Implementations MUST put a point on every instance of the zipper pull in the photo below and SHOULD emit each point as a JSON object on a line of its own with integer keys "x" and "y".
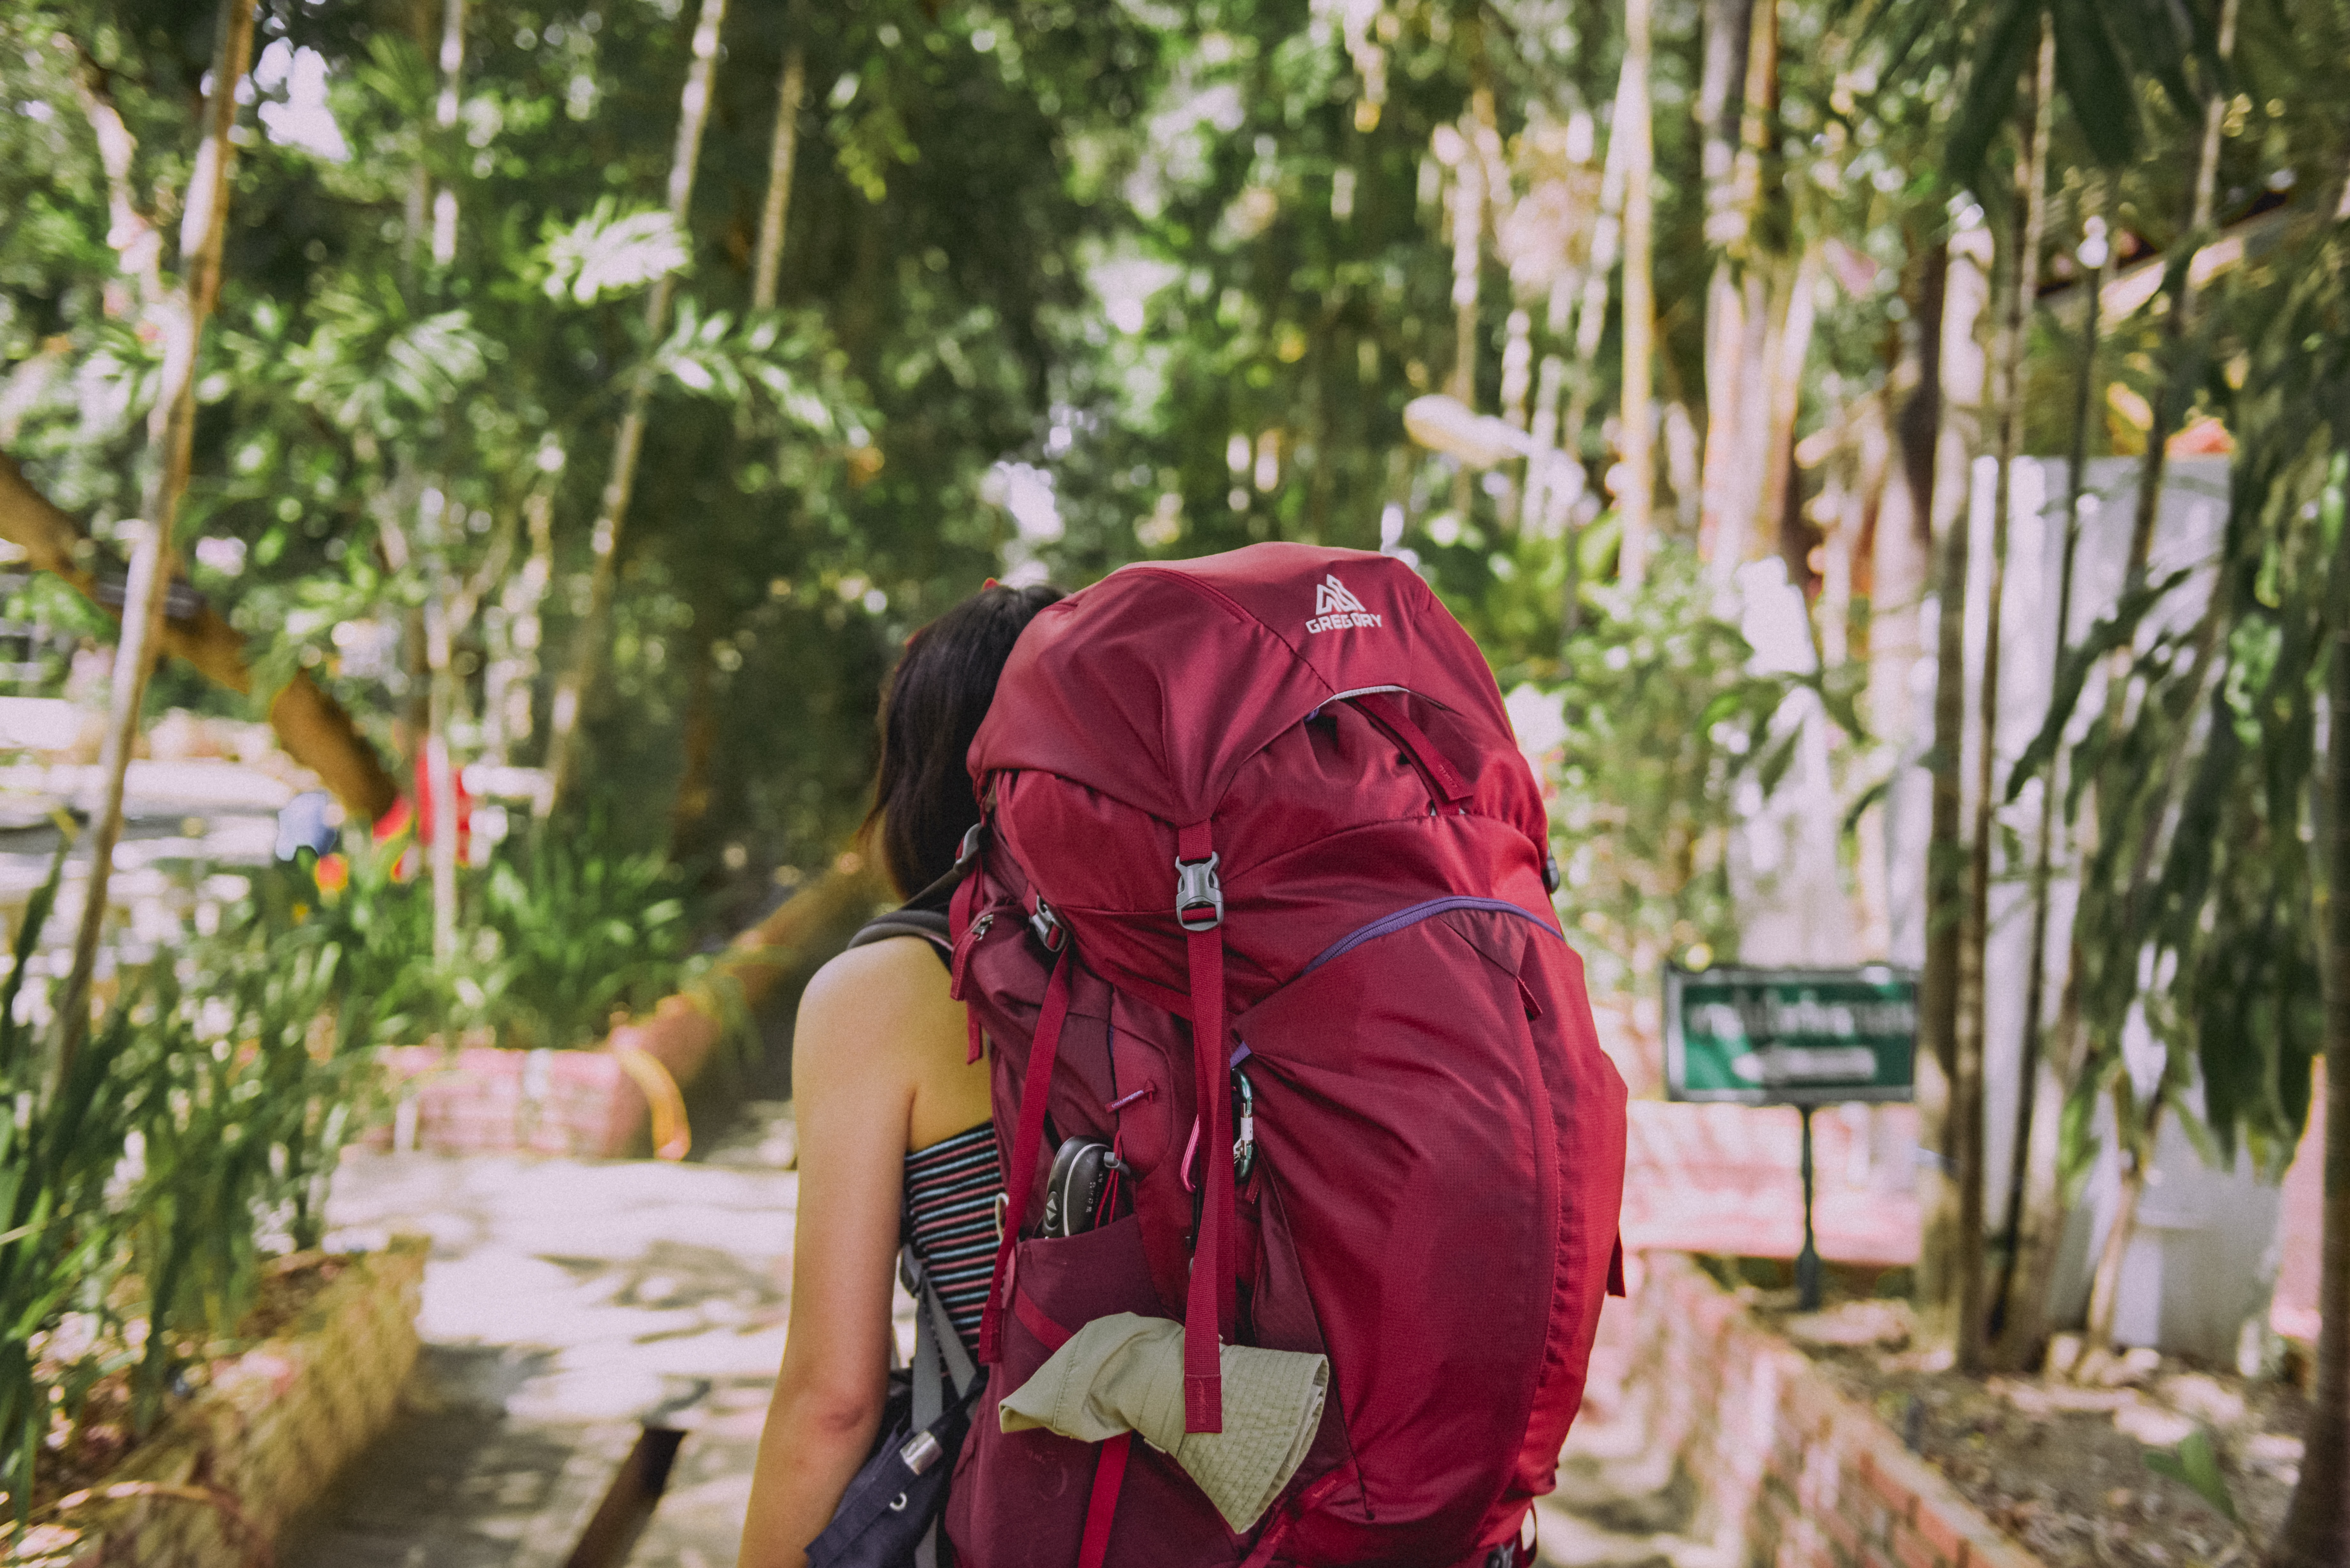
{"x": 961, "y": 964}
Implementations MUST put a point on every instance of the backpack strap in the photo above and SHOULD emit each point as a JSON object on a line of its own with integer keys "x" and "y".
{"x": 1101, "y": 1505}
{"x": 942, "y": 1366}
{"x": 940, "y": 1362}
{"x": 1209, "y": 1307}
{"x": 1035, "y": 1089}
{"x": 931, "y": 925}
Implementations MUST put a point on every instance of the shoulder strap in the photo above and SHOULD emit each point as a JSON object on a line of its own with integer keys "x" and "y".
{"x": 929, "y": 924}
{"x": 939, "y": 1359}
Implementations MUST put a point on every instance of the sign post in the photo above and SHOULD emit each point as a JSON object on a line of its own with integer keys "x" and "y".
{"x": 1801, "y": 1037}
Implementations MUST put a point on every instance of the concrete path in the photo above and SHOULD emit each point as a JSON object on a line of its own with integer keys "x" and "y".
{"x": 565, "y": 1302}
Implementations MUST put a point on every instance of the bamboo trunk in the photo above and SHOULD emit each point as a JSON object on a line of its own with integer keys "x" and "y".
{"x": 2136, "y": 1134}
{"x": 1959, "y": 366}
{"x": 444, "y": 116}
{"x": 1790, "y": 346}
{"x": 438, "y": 614}
{"x": 514, "y": 632}
{"x": 604, "y": 539}
{"x": 1740, "y": 318}
{"x": 1591, "y": 313}
{"x": 783, "y": 152}
{"x": 1971, "y": 1033}
{"x": 1636, "y": 500}
{"x": 441, "y": 777}
{"x": 2035, "y": 1192}
{"x": 171, "y": 434}
{"x": 2316, "y": 1528}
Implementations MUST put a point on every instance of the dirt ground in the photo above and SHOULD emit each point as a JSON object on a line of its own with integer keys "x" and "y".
{"x": 2062, "y": 1464}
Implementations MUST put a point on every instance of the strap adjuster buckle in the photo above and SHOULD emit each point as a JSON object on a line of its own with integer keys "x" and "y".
{"x": 1047, "y": 926}
{"x": 1199, "y": 893}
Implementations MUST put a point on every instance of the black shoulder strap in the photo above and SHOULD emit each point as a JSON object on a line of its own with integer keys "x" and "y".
{"x": 929, "y": 924}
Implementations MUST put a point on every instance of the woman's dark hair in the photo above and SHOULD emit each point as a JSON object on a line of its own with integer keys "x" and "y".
{"x": 930, "y": 709}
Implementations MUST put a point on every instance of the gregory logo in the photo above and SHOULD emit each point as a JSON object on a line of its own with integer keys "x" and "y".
{"x": 1335, "y": 609}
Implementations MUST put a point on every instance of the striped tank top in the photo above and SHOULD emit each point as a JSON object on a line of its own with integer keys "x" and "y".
{"x": 951, "y": 1190}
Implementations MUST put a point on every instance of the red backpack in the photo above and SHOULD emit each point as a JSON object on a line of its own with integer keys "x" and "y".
{"x": 1257, "y": 824}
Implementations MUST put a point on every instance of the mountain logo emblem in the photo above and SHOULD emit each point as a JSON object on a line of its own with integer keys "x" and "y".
{"x": 1330, "y": 595}
{"x": 1336, "y": 608}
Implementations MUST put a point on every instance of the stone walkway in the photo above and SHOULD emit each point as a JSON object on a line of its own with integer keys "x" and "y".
{"x": 565, "y": 1302}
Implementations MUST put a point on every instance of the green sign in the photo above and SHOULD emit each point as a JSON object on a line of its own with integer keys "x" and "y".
{"x": 1790, "y": 1036}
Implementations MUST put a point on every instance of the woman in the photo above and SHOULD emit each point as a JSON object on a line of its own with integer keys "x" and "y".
{"x": 892, "y": 1119}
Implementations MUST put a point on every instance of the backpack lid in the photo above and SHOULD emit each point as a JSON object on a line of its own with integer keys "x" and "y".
{"x": 1157, "y": 683}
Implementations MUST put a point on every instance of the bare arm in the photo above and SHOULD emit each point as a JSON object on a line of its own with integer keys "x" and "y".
{"x": 853, "y": 1086}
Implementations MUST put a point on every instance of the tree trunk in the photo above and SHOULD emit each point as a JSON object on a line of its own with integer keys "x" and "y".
{"x": 1790, "y": 346}
{"x": 1970, "y": 1036}
{"x": 604, "y": 540}
{"x": 1898, "y": 559}
{"x": 1636, "y": 497}
{"x": 513, "y": 629}
{"x": 1960, "y": 366}
{"x": 1720, "y": 109}
{"x": 441, "y": 777}
{"x": 2316, "y": 1529}
{"x": 1742, "y": 52}
{"x": 171, "y": 434}
{"x": 784, "y": 152}
{"x": 2035, "y": 1192}
{"x": 2135, "y": 1131}
{"x": 1591, "y": 315}
{"x": 444, "y": 117}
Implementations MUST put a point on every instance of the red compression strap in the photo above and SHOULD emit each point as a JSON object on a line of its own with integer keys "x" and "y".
{"x": 1388, "y": 715}
{"x": 1109, "y": 1475}
{"x": 1033, "y": 1092}
{"x": 1209, "y": 1308}
{"x": 1049, "y": 1334}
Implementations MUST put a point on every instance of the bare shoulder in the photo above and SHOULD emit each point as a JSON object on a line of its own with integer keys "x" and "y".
{"x": 875, "y": 996}
{"x": 907, "y": 964}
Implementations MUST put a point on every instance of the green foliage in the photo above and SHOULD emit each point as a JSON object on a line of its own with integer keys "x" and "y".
{"x": 565, "y": 929}
{"x": 1663, "y": 720}
{"x": 2195, "y": 1465}
{"x": 581, "y": 931}
{"x": 610, "y": 252}
{"x": 197, "y": 1130}
{"x": 2105, "y": 48}
{"x": 227, "y": 1064}
{"x": 2198, "y": 906}
{"x": 60, "y": 1148}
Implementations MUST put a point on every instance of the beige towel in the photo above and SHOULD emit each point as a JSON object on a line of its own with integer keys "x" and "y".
{"x": 1124, "y": 1373}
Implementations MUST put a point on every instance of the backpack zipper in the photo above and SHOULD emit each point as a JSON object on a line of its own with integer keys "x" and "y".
{"x": 960, "y": 966}
{"x": 1412, "y": 915}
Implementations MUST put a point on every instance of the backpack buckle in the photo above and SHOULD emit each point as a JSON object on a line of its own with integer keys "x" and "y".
{"x": 1047, "y": 926}
{"x": 1199, "y": 894}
